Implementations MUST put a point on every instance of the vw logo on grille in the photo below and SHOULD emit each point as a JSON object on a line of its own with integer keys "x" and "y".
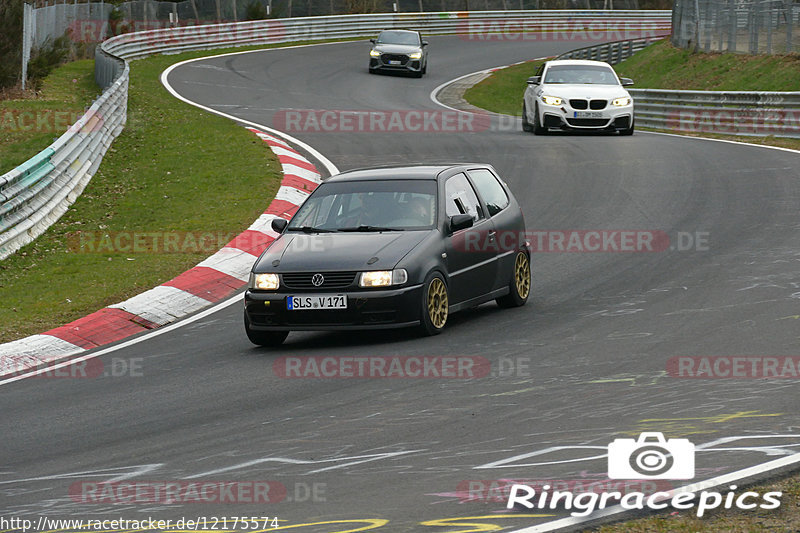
{"x": 317, "y": 280}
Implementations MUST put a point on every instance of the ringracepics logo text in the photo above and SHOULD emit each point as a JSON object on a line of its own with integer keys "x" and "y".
{"x": 586, "y": 503}
{"x": 650, "y": 457}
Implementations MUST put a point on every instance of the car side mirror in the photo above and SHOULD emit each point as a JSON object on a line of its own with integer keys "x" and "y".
{"x": 534, "y": 80}
{"x": 459, "y": 222}
{"x": 372, "y": 41}
{"x": 626, "y": 82}
{"x": 424, "y": 43}
{"x": 279, "y": 224}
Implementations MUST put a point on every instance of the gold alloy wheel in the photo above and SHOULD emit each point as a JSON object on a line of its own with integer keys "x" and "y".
{"x": 522, "y": 275}
{"x": 437, "y": 303}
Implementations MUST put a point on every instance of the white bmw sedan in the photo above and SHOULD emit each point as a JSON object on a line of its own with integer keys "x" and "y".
{"x": 575, "y": 94}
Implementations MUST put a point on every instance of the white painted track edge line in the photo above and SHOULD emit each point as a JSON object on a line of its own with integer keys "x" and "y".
{"x": 435, "y": 92}
{"x": 125, "y": 343}
{"x": 328, "y": 164}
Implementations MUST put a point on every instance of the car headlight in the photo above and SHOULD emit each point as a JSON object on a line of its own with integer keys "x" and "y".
{"x": 415, "y": 55}
{"x": 383, "y": 278}
{"x": 551, "y": 100}
{"x": 374, "y": 53}
{"x": 620, "y": 102}
{"x": 264, "y": 282}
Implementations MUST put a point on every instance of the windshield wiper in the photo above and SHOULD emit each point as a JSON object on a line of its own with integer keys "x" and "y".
{"x": 310, "y": 229}
{"x": 369, "y": 228}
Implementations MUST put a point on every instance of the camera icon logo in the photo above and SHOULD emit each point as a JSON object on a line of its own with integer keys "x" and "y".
{"x": 651, "y": 457}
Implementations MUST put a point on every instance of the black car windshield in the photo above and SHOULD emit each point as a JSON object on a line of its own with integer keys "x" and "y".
{"x": 590, "y": 74}
{"x": 399, "y": 37}
{"x": 363, "y": 206}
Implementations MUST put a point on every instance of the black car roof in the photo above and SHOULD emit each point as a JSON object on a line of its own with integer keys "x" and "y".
{"x": 411, "y": 172}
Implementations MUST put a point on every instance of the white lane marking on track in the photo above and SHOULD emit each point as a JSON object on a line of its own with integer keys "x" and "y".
{"x": 354, "y": 460}
{"x": 136, "y": 340}
{"x": 329, "y": 166}
{"x": 120, "y": 473}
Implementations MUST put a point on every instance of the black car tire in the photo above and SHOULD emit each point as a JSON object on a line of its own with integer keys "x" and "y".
{"x": 526, "y": 126}
{"x": 520, "y": 285}
{"x": 425, "y": 69}
{"x": 434, "y": 305}
{"x": 537, "y": 126}
{"x": 264, "y": 338}
{"x": 628, "y": 131}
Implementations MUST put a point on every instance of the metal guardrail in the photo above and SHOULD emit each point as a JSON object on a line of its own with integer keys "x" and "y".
{"x": 487, "y": 24}
{"x": 612, "y": 53}
{"x": 34, "y": 195}
{"x": 754, "y": 113}
{"x": 733, "y": 113}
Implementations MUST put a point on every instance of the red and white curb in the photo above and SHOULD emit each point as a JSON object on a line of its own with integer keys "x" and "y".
{"x": 211, "y": 281}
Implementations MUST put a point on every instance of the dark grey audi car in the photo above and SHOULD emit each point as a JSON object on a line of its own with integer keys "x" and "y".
{"x": 399, "y": 50}
{"x": 391, "y": 247}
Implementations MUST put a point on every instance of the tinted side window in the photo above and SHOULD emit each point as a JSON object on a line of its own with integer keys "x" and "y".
{"x": 490, "y": 189}
{"x": 460, "y": 198}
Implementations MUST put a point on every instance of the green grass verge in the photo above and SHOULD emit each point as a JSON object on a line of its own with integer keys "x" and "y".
{"x": 28, "y": 126}
{"x": 663, "y": 66}
{"x": 502, "y": 91}
{"x": 174, "y": 168}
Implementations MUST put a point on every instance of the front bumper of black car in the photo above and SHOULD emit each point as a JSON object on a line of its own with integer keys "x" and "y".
{"x": 366, "y": 309}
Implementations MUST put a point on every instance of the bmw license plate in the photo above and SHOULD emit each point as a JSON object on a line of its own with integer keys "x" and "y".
{"x": 316, "y": 301}
{"x": 588, "y": 114}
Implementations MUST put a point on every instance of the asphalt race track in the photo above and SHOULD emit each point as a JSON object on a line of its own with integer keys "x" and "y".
{"x": 584, "y": 363}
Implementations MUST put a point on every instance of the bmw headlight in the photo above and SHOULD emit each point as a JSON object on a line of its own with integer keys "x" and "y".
{"x": 551, "y": 100}
{"x": 374, "y": 53}
{"x": 415, "y": 55}
{"x": 264, "y": 282}
{"x": 621, "y": 102}
{"x": 383, "y": 278}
